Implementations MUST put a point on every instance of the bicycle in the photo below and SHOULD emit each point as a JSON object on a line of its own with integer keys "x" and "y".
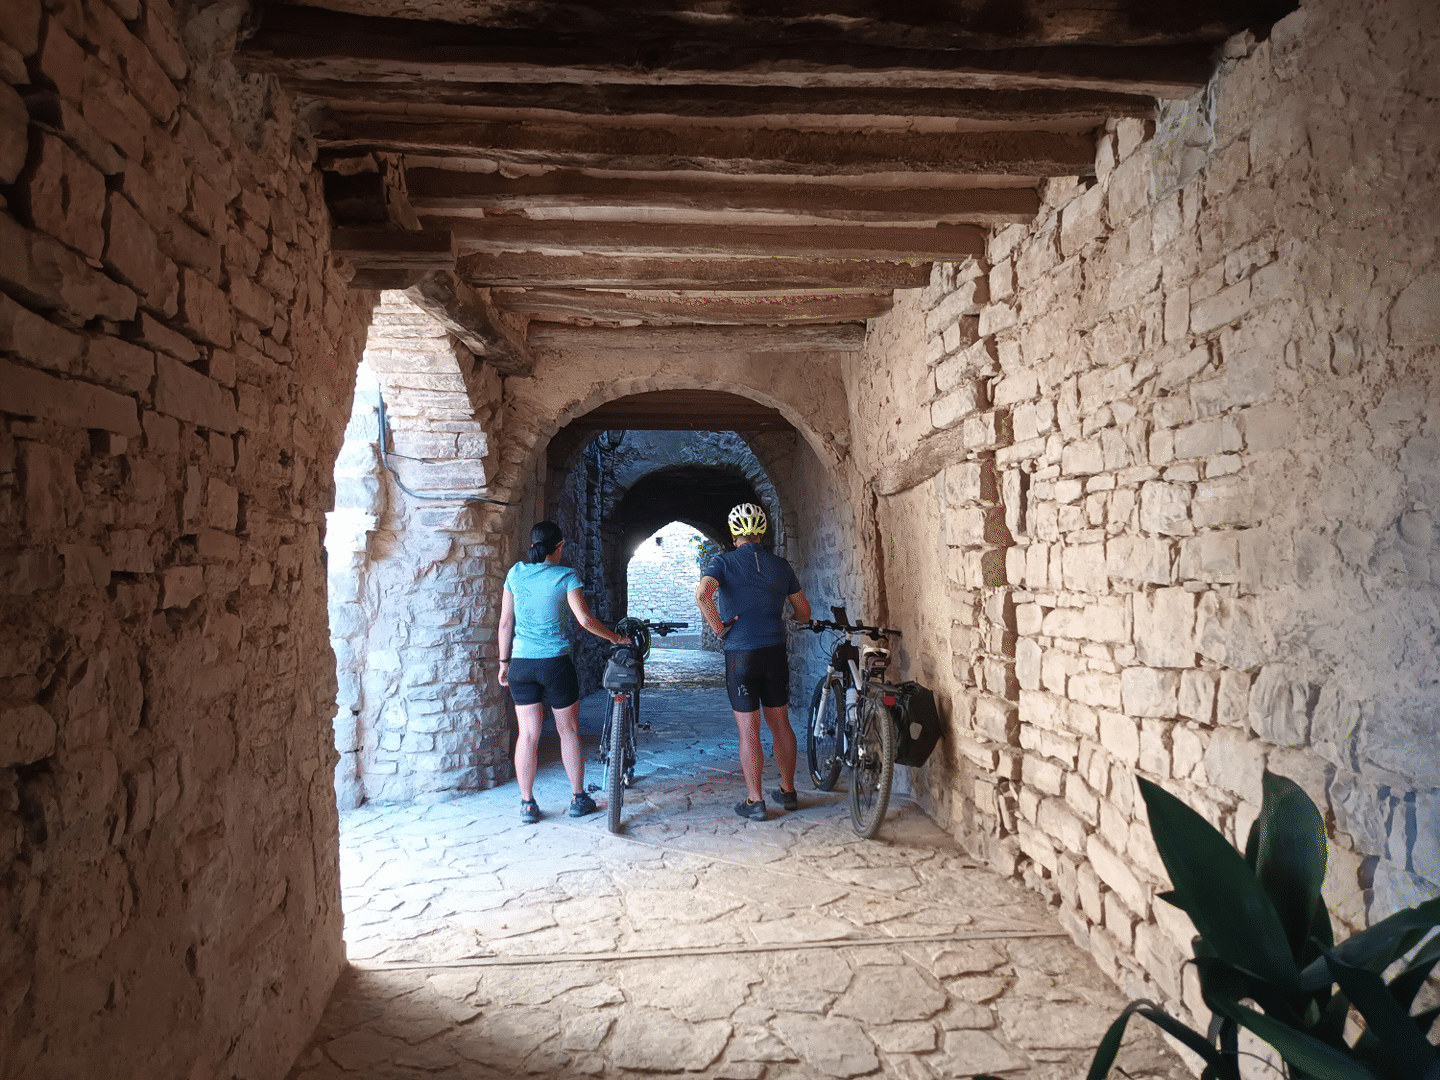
{"x": 851, "y": 724}
{"x": 624, "y": 678}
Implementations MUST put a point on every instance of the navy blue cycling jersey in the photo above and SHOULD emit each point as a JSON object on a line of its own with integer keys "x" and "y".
{"x": 754, "y": 583}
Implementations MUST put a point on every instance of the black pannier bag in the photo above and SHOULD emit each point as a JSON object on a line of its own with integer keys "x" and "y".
{"x": 622, "y": 671}
{"x": 917, "y": 724}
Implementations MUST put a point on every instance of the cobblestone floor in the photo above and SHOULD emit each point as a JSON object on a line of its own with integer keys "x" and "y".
{"x": 696, "y": 943}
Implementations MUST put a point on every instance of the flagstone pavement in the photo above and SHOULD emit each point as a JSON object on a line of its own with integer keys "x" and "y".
{"x": 695, "y": 943}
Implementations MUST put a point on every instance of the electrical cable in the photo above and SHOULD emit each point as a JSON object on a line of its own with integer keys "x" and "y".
{"x": 386, "y": 454}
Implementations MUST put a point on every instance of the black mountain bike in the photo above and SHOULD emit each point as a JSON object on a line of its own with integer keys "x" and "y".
{"x": 624, "y": 678}
{"x": 851, "y": 724}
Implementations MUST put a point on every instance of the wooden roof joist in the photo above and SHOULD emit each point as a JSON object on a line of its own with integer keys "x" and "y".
{"x": 581, "y": 195}
{"x": 516, "y": 234}
{"x": 531, "y": 270}
{"x": 829, "y": 108}
{"x": 956, "y": 23}
{"x": 316, "y": 44}
{"x": 725, "y": 151}
{"x": 695, "y": 308}
{"x": 576, "y": 193}
{"x": 688, "y": 340}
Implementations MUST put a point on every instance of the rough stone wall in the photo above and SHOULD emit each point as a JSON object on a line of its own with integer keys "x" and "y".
{"x": 413, "y": 609}
{"x": 1184, "y": 500}
{"x": 176, "y": 363}
{"x": 662, "y": 576}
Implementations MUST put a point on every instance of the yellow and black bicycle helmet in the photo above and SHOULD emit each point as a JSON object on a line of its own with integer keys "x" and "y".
{"x": 748, "y": 519}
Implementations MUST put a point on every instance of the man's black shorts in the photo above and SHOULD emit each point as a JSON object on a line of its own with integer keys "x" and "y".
{"x": 758, "y": 677}
{"x": 551, "y": 680}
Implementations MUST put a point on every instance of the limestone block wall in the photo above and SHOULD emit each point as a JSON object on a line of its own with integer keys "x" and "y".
{"x": 1177, "y": 470}
{"x": 413, "y": 607}
{"x": 176, "y": 363}
{"x": 662, "y": 576}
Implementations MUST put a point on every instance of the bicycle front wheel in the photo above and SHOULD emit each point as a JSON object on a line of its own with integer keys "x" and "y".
{"x": 615, "y": 763}
{"x": 874, "y": 768}
{"x": 822, "y": 731}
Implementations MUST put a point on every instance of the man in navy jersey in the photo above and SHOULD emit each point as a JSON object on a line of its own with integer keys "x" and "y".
{"x": 752, "y": 584}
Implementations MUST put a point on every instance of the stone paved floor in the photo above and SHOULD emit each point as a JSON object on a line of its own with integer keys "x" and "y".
{"x": 696, "y": 943}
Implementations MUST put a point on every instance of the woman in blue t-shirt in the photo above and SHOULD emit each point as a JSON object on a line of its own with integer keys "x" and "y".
{"x": 535, "y": 662}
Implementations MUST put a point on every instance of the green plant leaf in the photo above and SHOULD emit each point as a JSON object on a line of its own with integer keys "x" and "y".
{"x": 1378, "y": 947}
{"x": 1109, "y": 1046}
{"x": 1303, "y": 1051}
{"x": 1407, "y": 984}
{"x": 1222, "y": 895}
{"x": 1291, "y": 856}
{"x": 1402, "y": 1044}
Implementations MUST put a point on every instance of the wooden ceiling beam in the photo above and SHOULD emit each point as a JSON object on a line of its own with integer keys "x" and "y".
{"x": 315, "y": 43}
{"x": 956, "y": 23}
{"x": 448, "y": 191}
{"x": 695, "y": 308}
{"x": 473, "y": 317}
{"x": 394, "y": 249}
{"x": 531, "y": 270}
{"x": 724, "y": 151}
{"x": 754, "y": 106}
{"x": 516, "y": 234}
{"x": 569, "y": 340}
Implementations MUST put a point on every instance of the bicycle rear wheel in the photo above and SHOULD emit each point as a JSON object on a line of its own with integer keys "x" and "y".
{"x": 874, "y": 768}
{"x": 615, "y": 763}
{"x": 822, "y": 731}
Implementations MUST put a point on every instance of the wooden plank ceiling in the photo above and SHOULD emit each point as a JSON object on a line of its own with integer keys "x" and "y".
{"x": 761, "y": 168}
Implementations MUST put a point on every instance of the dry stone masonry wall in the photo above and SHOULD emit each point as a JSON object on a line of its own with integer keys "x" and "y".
{"x": 1173, "y": 448}
{"x": 413, "y": 604}
{"x": 662, "y": 576}
{"x": 176, "y": 362}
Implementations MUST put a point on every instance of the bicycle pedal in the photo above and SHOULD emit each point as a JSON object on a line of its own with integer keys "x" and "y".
{"x": 592, "y": 787}
{"x": 646, "y": 727}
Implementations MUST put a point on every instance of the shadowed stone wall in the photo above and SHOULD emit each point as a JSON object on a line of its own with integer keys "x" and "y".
{"x": 1172, "y": 451}
{"x": 178, "y": 357}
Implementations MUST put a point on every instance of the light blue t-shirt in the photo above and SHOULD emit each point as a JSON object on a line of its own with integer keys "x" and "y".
{"x": 540, "y": 608}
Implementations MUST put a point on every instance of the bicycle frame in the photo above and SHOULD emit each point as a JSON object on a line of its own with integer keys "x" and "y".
{"x": 860, "y": 737}
{"x": 619, "y": 738}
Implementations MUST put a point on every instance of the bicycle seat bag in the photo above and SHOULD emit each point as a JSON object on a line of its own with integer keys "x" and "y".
{"x": 622, "y": 671}
{"x": 917, "y": 724}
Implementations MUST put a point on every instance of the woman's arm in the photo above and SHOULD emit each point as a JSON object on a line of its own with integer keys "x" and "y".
{"x": 576, "y": 599}
{"x": 505, "y": 638}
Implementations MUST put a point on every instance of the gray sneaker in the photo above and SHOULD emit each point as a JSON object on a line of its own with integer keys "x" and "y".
{"x": 529, "y": 811}
{"x": 582, "y": 804}
{"x": 790, "y": 800}
{"x": 755, "y": 811}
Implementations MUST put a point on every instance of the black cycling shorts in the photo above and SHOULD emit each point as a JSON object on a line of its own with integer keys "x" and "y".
{"x": 758, "y": 677}
{"x": 551, "y": 680}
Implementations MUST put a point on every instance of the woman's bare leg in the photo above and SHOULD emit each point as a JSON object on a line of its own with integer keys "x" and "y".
{"x": 527, "y": 747}
{"x": 572, "y": 750}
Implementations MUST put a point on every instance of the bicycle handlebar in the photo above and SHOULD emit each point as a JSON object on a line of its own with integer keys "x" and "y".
{"x": 663, "y": 628}
{"x": 817, "y": 625}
